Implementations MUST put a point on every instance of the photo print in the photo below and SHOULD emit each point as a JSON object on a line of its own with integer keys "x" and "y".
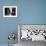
{"x": 9, "y": 11}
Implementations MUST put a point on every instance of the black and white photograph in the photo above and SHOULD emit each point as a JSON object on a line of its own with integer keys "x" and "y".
{"x": 9, "y": 11}
{"x": 29, "y": 34}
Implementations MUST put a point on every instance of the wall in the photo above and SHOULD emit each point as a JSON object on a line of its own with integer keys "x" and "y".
{"x": 29, "y": 12}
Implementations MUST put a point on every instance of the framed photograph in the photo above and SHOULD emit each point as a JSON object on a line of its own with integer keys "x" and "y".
{"x": 31, "y": 32}
{"x": 9, "y": 11}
